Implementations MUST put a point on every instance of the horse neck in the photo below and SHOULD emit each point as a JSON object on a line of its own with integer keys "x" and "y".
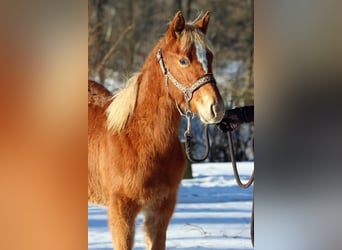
{"x": 155, "y": 111}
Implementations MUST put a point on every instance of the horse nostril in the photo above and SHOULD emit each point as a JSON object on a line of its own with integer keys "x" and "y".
{"x": 213, "y": 110}
{"x": 217, "y": 111}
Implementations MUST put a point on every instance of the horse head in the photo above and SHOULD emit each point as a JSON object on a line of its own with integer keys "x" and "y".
{"x": 186, "y": 61}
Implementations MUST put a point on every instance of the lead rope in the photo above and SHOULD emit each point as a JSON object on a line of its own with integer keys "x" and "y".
{"x": 236, "y": 173}
{"x": 188, "y": 137}
{"x": 239, "y": 182}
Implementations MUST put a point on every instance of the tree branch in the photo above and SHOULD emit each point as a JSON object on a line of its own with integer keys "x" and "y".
{"x": 112, "y": 48}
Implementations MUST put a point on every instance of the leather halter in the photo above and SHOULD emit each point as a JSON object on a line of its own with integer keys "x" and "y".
{"x": 188, "y": 92}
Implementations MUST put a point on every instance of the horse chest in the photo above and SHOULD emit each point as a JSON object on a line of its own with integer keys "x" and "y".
{"x": 147, "y": 179}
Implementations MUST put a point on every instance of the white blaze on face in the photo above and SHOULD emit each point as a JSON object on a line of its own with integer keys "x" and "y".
{"x": 201, "y": 54}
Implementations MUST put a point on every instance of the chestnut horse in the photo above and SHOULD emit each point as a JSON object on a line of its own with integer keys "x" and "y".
{"x": 135, "y": 159}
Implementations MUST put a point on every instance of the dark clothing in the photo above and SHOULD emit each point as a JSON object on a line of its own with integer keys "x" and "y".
{"x": 234, "y": 117}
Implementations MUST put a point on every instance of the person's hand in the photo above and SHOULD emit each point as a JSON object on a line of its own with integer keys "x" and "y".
{"x": 229, "y": 123}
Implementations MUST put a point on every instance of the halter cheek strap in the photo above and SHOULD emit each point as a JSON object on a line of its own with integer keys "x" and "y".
{"x": 188, "y": 92}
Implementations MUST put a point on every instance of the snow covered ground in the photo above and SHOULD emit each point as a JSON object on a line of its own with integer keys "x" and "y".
{"x": 212, "y": 213}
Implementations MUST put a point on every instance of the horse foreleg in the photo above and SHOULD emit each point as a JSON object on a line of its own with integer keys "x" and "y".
{"x": 122, "y": 213}
{"x": 157, "y": 218}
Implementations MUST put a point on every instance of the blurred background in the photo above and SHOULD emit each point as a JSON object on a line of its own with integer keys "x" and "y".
{"x": 43, "y": 146}
{"x": 122, "y": 33}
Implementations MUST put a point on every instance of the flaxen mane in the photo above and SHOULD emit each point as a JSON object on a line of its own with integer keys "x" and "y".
{"x": 191, "y": 35}
{"x": 122, "y": 105}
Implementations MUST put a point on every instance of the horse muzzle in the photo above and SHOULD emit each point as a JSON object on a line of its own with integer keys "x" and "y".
{"x": 211, "y": 112}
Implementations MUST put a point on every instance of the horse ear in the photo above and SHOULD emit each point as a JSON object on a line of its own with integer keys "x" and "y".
{"x": 177, "y": 24}
{"x": 203, "y": 23}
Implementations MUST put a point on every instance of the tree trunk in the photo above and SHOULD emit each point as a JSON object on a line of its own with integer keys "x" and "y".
{"x": 188, "y": 9}
{"x": 177, "y": 6}
{"x": 100, "y": 36}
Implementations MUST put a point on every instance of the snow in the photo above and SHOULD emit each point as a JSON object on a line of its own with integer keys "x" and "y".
{"x": 212, "y": 213}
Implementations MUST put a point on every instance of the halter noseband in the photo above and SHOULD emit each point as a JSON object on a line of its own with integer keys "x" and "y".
{"x": 188, "y": 92}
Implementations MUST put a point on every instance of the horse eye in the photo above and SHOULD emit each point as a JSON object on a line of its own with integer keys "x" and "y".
{"x": 183, "y": 61}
